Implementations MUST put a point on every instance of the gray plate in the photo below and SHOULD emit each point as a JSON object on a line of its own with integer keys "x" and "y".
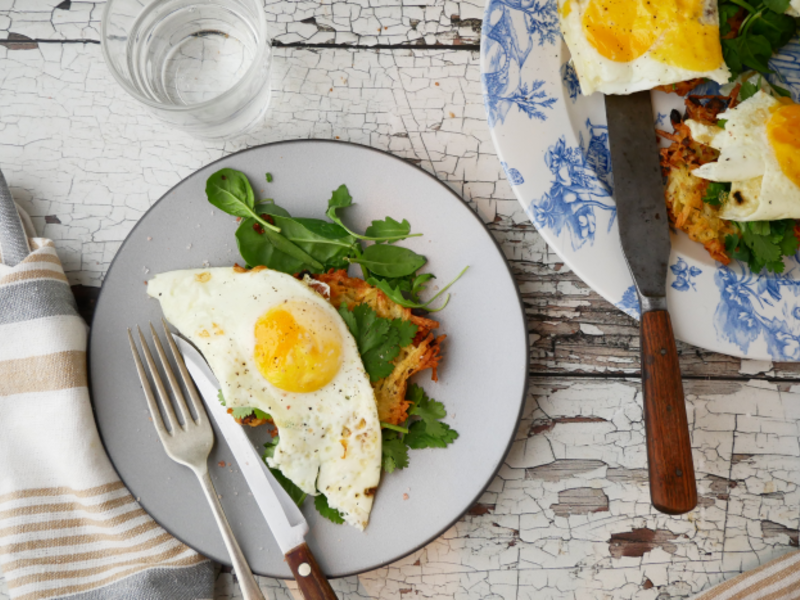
{"x": 482, "y": 380}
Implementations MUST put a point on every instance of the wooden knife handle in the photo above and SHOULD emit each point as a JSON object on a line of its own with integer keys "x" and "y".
{"x": 669, "y": 451}
{"x": 310, "y": 579}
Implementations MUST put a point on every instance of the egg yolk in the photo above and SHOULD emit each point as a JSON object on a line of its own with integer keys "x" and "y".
{"x": 783, "y": 132}
{"x": 298, "y": 347}
{"x": 674, "y": 31}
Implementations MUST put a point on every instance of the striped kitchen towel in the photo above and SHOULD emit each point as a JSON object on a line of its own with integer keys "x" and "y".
{"x": 776, "y": 580}
{"x": 68, "y": 526}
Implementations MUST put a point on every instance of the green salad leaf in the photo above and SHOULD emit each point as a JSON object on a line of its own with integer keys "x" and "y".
{"x": 751, "y": 32}
{"x": 323, "y": 508}
{"x": 387, "y": 230}
{"x": 230, "y": 191}
{"x": 394, "y": 451}
{"x": 379, "y": 340}
{"x": 428, "y": 431}
{"x": 763, "y": 244}
{"x": 716, "y": 193}
{"x": 243, "y": 412}
{"x": 390, "y": 261}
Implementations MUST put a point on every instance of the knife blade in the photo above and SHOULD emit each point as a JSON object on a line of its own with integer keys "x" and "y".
{"x": 644, "y": 235}
{"x": 285, "y": 520}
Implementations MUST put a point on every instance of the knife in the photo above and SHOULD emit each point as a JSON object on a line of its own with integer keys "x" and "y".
{"x": 644, "y": 233}
{"x": 287, "y": 523}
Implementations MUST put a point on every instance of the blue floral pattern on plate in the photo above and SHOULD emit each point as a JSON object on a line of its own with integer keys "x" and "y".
{"x": 514, "y": 177}
{"x": 541, "y": 124}
{"x": 684, "y": 275}
{"x": 629, "y": 302}
{"x": 569, "y": 78}
{"x": 759, "y": 306}
{"x": 581, "y": 184}
{"x": 510, "y": 30}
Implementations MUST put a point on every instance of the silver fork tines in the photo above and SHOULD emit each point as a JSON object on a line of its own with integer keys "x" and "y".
{"x": 188, "y": 441}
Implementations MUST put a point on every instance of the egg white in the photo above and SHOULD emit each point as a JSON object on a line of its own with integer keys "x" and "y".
{"x": 749, "y": 162}
{"x": 596, "y": 73}
{"x": 329, "y": 439}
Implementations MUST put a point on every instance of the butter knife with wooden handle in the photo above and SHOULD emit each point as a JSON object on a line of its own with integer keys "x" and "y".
{"x": 644, "y": 234}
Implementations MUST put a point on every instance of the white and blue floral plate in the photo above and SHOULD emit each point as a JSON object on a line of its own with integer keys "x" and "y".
{"x": 553, "y": 145}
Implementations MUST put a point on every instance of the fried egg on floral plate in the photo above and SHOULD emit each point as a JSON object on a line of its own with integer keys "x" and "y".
{"x": 624, "y": 46}
{"x": 759, "y": 155}
{"x": 276, "y": 344}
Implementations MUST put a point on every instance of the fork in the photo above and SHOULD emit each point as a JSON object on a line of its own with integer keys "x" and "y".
{"x": 189, "y": 441}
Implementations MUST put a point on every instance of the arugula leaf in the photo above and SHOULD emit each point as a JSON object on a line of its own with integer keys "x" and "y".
{"x": 763, "y": 244}
{"x": 394, "y": 452}
{"x": 776, "y": 27}
{"x": 379, "y": 340}
{"x": 390, "y": 261}
{"x": 221, "y": 398}
{"x": 716, "y": 193}
{"x": 721, "y": 123}
{"x": 387, "y": 230}
{"x": 763, "y": 29}
{"x": 323, "y": 508}
{"x": 303, "y": 244}
{"x": 230, "y": 191}
{"x": 420, "y": 281}
{"x": 395, "y": 293}
{"x": 778, "y": 6}
{"x": 295, "y": 493}
{"x": 243, "y": 412}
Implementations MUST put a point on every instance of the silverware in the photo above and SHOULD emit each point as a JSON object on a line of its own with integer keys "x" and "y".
{"x": 189, "y": 441}
{"x": 644, "y": 233}
{"x": 284, "y": 518}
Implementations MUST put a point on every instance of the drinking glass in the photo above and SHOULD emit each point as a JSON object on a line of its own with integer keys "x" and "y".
{"x": 199, "y": 65}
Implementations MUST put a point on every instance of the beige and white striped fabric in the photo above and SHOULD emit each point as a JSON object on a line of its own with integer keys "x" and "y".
{"x": 776, "y": 580}
{"x": 68, "y": 526}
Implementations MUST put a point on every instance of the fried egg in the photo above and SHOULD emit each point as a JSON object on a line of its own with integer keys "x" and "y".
{"x": 276, "y": 344}
{"x": 759, "y": 154}
{"x": 624, "y": 46}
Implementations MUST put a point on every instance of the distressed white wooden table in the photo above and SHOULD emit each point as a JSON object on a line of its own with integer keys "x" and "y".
{"x": 568, "y": 516}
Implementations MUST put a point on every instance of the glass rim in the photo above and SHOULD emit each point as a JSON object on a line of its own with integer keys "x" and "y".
{"x": 263, "y": 46}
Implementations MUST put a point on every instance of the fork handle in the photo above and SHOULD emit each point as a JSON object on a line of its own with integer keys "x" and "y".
{"x": 247, "y": 583}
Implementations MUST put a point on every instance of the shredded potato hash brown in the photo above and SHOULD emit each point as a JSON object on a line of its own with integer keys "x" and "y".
{"x": 684, "y": 192}
{"x": 424, "y": 352}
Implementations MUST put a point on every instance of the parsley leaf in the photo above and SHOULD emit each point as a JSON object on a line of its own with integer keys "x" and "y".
{"x": 379, "y": 340}
{"x": 716, "y": 193}
{"x": 394, "y": 452}
{"x": 220, "y": 397}
{"x": 429, "y": 431}
{"x": 295, "y": 493}
{"x": 763, "y": 244}
{"x": 430, "y": 411}
{"x": 241, "y": 412}
{"x": 748, "y": 90}
{"x": 321, "y": 504}
{"x": 419, "y": 436}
